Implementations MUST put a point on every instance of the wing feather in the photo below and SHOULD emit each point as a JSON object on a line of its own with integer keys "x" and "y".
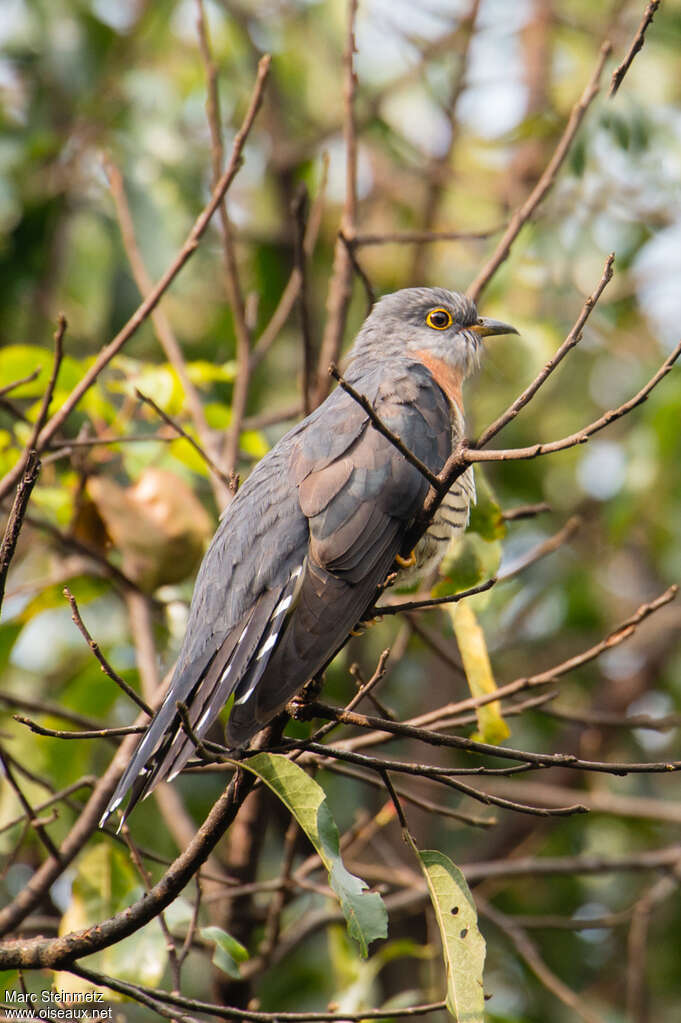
{"x": 318, "y": 521}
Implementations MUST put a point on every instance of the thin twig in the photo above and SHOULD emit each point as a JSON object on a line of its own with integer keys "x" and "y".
{"x": 87, "y": 781}
{"x": 151, "y": 301}
{"x": 55, "y": 952}
{"x": 546, "y": 181}
{"x": 427, "y": 602}
{"x": 581, "y": 436}
{"x": 528, "y": 951}
{"x": 360, "y": 271}
{"x": 252, "y": 1015}
{"x": 99, "y": 733}
{"x": 340, "y": 287}
{"x": 422, "y": 237}
{"x": 51, "y": 383}
{"x": 636, "y": 44}
{"x": 104, "y": 664}
{"x": 299, "y": 210}
{"x": 548, "y": 546}
{"x": 290, "y": 293}
{"x": 29, "y": 474}
{"x": 525, "y": 511}
{"x": 29, "y": 812}
{"x": 232, "y": 277}
{"x": 162, "y": 327}
{"x": 212, "y": 465}
{"x": 438, "y": 170}
{"x": 29, "y": 378}
{"x": 378, "y": 423}
{"x": 573, "y": 338}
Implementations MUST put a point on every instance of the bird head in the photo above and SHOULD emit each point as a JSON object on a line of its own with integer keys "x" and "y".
{"x": 444, "y": 324}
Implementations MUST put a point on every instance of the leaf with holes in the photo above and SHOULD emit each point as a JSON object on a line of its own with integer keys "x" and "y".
{"x": 364, "y": 911}
{"x": 463, "y": 946}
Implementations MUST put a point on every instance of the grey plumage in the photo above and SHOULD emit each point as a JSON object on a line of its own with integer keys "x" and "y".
{"x": 299, "y": 553}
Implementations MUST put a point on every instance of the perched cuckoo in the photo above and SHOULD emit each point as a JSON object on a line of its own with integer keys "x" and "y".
{"x": 317, "y": 527}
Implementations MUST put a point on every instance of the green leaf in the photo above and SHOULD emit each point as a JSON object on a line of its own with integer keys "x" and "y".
{"x": 228, "y": 951}
{"x": 486, "y": 517}
{"x": 364, "y": 911}
{"x": 469, "y": 561}
{"x": 463, "y": 946}
{"x": 203, "y": 372}
{"x": 9, "y": 633}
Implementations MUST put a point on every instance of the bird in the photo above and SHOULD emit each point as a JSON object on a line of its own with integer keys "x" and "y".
{"x": 311, "y": 536}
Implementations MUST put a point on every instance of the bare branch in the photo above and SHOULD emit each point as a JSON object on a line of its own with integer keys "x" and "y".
{"x": 546, "y": 181}
{"x": 151, "y": 301}
{"x": 525, "y": 511}
{"x": 252, "y": 1015}
{"x": 573, "y": 338}
{"x": 51, "y": 384}
{"x": 54, "y": 953}
{"x": 95, "y": 733}
{"x": 30, "y": 468}
{"x": 422, "y": 237}
{"x": 212, "y": 465}
{"x": 29, "y": 378}
{"x": 528, "y": 951}
{"x": 292, "y": 289}
{"x": 428, "y": 602}
{"x": 29, "y": 812}
{"x": 299, "y": 210}
{"x": 340, "y": 286}
{"x": 360, "y": 271}
{"x": 232, "y": 277}
{"x": 636, "y": 44}
{"x": 581, "y": 436}
{"x": 164, "y": 331}
{"x": 378, "y": 423}
{"x": 104, "y": 664}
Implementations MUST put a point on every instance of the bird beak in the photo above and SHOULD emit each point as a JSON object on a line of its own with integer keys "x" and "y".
{"x": 488, "y": 328}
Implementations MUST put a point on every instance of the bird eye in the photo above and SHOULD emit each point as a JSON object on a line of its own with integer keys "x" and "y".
{"x": 440, "y": 319}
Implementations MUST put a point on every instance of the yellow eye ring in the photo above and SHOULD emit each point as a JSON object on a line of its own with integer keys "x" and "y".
{"x": 439, "y": 319}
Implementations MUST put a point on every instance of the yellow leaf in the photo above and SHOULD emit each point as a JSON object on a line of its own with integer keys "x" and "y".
{"x": 473, "y": 649}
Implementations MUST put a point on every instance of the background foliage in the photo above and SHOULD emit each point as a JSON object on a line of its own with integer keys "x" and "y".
{"x": 83, "y": 83}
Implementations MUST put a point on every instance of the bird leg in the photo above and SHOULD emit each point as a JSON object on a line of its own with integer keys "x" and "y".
{"x": 364, "y": 624}
{"x": 406, "y": 562}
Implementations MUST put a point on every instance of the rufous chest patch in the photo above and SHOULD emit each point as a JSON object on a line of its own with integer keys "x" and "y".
{"x": 449, "y": 379}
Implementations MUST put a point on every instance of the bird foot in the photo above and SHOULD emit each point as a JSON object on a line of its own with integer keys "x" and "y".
{"x": 365, "y": 624}
{"x": 406, "y": 562}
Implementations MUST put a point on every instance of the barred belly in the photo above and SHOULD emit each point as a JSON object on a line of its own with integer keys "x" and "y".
{"x": 450, "y": 518}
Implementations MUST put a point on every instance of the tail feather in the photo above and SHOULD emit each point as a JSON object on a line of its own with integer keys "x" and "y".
{"x": 237, "y": 665}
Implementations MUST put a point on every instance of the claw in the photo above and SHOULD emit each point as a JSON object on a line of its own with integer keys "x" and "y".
{"x": 406, "y": 562}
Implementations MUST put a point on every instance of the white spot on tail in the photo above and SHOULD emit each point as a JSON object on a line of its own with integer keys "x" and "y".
{"x": 242, "y": 699}
{"x": 226, "y": 672}
{"x": 282, "y": 606}
{"x": 268, "y": 645}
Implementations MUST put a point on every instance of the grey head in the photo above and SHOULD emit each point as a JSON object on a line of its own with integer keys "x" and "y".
{"x": 445, "y": 324}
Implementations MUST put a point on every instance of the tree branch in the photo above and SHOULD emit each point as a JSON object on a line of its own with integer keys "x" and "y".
{"x": 546, "y": 181}
{"x": 636, "y": 44}
{"x": 151, "y": 301}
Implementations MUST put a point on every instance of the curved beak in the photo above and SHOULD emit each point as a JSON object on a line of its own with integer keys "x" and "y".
{"x": 488, "y": 328}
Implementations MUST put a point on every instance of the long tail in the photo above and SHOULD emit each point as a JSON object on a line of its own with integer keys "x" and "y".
{"x": 241, "y": 659}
